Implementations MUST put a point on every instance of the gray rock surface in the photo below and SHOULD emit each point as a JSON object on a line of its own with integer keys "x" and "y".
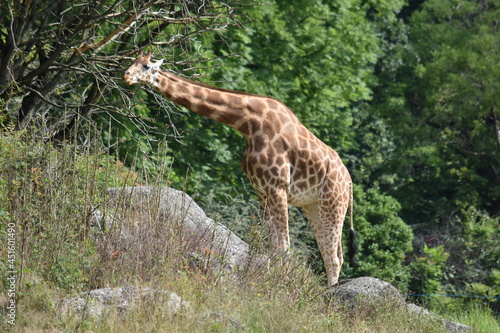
{"x": 177, "y": 207}
{"x": 98, "y": 302}
{"x": 374, "y": 291}
{"x": 362, "y": 288}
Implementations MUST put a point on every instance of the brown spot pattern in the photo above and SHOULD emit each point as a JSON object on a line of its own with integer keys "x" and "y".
{"x": 284, "y": 161}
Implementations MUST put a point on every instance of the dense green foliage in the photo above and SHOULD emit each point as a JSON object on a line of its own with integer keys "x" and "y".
{"x": 406, "y": 93}
{"x": 384, "y": 238}
{"x": 381, "y": 91}
{"x": 442, "y": 105}
{"x": 437, "y": 99}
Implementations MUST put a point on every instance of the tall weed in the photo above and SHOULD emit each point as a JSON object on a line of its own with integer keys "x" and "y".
{"x": 49, "y": 194}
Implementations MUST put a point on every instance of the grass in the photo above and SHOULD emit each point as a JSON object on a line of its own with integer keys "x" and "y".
{"x": 249, "y": 309}
{"x": 51, "y": 195}
{"x": 475, "y": 315}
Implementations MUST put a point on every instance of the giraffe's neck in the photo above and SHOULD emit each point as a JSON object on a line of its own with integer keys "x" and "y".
{"x": 232, "y": 108}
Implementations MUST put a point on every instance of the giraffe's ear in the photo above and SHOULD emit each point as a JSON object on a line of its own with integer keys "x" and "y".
{"x": 157, "y": 64}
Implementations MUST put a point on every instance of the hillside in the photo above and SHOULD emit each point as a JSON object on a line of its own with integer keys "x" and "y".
{"x": 71, "y": 235}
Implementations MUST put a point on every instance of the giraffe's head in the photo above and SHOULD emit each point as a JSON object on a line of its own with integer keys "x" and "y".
{"x": 142, "y": 70}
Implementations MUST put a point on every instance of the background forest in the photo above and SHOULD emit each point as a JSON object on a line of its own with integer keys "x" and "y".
{"x": 407, "y": 92}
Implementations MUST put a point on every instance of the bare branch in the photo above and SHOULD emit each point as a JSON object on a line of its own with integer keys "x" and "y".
{"x": 112, "y": 36}
{"x": 60, "y": 63}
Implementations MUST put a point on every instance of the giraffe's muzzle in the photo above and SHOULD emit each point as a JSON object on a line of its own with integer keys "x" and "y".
{"x": 127, "y": 79}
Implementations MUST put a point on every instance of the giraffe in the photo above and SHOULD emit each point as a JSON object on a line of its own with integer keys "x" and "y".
{"x": 284, "y": 161}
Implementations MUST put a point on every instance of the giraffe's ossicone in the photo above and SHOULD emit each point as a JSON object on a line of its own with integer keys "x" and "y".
{"x": 283, "y": 160}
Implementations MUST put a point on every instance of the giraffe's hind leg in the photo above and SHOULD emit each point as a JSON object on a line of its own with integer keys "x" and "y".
{"x": 327, "y": 227}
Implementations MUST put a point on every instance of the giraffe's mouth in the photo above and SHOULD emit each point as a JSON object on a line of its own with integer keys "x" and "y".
{"x": 128, "y": 80}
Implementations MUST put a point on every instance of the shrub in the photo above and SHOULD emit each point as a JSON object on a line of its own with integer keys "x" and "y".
{"x": 383, "y": 238}
{"x": 428, "y": 271}
{"x": 49, "y": 194}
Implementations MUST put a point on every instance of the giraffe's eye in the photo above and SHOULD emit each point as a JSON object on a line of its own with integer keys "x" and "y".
{"x": 145, "y": 67}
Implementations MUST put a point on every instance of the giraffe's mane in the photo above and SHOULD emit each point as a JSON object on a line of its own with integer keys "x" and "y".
{"x": 204, "y": 85}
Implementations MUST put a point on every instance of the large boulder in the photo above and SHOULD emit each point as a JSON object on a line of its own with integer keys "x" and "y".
{"x": 365, "y": 288}
{"x": 174, "y": 208}
{"x": 371, "y": 291}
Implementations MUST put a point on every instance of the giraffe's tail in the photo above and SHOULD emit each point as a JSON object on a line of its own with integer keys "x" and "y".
{"x": 353, "y": 246}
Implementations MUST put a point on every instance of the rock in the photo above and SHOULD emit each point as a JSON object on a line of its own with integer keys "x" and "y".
{"x": 98, "y": 302}
{"x": 213, "y": 241}
{"x": 416, "y": 310}
{"x": 454, "y": 327}
{"x": 369, "y": 290}
{"x": 364, "y": 288}
{"x": 449, "y": 326}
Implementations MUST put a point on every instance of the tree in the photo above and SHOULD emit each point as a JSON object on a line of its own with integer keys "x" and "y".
{"x": 59, "y": 61}
{"x": 441, "y": 105}
{"x": 460, "y": 80}
{"x": 437, "y": 108}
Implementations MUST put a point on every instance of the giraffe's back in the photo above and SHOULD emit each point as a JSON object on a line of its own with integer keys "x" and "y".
{"x": 314, "y": 171}
{"x": 283, "y": 153}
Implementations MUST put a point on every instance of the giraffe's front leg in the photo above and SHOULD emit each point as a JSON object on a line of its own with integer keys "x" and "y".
{"x": 275, "y": 208}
